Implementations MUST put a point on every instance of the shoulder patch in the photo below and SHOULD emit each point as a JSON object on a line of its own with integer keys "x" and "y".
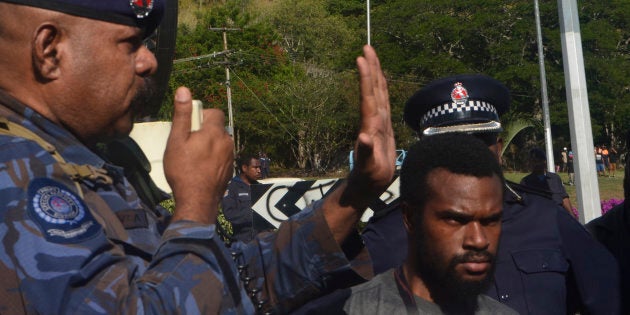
{"x": 60, "y": 214}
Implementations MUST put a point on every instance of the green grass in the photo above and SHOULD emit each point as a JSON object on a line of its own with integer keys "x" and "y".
{"x": 609, "y": 187}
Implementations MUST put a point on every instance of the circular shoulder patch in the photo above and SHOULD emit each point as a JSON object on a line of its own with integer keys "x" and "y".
{"x": 60, "y": 213}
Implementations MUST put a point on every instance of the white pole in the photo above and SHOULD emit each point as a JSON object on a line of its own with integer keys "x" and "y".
{"x": 586, "y": 187}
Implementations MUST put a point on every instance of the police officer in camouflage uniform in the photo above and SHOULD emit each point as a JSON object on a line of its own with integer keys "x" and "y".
{"x": 75, "y": 236}
{"x": 547, "y": 263}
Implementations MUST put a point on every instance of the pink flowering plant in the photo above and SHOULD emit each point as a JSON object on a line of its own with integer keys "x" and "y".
{"x": 606, "y": 205}
{"x": 609, "y": 204}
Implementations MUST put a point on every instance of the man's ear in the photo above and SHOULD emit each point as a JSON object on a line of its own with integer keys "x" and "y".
{"x": 46, "y": 51}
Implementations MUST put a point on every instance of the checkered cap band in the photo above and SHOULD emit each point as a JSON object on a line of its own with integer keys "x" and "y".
{"x": 451, "y": 112}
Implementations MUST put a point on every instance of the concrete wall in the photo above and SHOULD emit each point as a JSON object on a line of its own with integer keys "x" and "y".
{"x": 151, "y": 137}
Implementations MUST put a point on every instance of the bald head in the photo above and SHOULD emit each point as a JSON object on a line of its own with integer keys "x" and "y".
{"x": 84, "y": 74}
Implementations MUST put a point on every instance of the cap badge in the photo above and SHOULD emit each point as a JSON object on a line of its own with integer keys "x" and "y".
{"x": 141, "y": 8}
{"x": 459, "y": 94}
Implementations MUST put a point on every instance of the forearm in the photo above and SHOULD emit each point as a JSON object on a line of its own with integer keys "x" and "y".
{"x": 301, "y": 261}
{"x": 343, "y": 208}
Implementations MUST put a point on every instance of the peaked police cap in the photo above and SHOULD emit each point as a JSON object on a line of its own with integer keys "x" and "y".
{"x": 461, "y": 103}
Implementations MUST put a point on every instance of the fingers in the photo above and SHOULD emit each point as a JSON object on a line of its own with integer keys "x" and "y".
{"x": 374, "y": 93}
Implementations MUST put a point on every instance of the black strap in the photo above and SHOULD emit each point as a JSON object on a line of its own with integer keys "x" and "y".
{"x": 227, "y": 273}
{"x": 405, "y": 292}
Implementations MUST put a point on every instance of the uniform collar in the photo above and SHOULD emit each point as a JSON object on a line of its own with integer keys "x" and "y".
{"x": 70, "y": 148}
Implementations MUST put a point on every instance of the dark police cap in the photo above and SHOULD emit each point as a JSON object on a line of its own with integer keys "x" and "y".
{"x": 462, "y": 103}
{"x": 145, "y": 14}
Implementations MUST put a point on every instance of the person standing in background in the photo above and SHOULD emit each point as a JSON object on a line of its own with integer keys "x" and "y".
{"x": 606, "y": 160}
{"x": 539, "y": 178}
{"x": 612, "y": 158}
{"x": 237, "y": 201}
{"x": 264, "y": 164}
{"x": 570, "y": 169}
{"x": 563, "y": 154}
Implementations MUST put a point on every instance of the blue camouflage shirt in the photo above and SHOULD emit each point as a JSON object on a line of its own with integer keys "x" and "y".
{"x": 96, "y": 248}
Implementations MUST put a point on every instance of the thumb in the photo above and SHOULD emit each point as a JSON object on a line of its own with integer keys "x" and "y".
{"x": 182, "y": 114}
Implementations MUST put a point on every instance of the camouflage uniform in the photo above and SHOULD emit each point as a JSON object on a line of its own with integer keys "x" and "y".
{"x": 94, "y": 247}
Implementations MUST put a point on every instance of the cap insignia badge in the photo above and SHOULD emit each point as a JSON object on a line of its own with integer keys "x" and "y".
{"x": 141, "y": 8}
{"x": 459, "y": 94}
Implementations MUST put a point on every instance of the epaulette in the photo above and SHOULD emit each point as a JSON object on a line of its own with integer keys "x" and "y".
{"x": 518, "y": 189}
{"x": 76, "y": 172}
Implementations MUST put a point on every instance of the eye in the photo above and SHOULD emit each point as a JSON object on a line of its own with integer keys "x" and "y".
{"x": 491, "y": 221}
{"x": 456, "y": 220}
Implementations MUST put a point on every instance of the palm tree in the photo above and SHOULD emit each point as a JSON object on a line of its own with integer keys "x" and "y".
{"x": 515, "y": 123}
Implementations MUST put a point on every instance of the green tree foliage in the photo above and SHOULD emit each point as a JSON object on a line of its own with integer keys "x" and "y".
{"x": 294, "y": 84}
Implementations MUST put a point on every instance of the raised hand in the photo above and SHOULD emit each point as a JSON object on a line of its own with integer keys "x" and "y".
{"x": 375, "y": 148}
{"x": 375, "y": 152}
{"x": 197, "y": 165}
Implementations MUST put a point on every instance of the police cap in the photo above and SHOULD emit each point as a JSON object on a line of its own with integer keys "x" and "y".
{"x": 145, "y": 14}
{"x": 462, "y": 103}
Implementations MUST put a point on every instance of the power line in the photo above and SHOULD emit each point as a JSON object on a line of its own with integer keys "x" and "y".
{"x": 265, "y": 106}
{"x": 212, "y": 55}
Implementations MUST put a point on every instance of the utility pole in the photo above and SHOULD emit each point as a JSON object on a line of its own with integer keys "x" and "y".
{"x": 230, "y": 128}
{"x": 543, "y": 91}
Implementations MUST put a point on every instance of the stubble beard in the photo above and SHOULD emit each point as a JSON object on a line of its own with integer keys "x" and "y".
{"x": 449, "y": 290}
{"x": 142, "y": 100}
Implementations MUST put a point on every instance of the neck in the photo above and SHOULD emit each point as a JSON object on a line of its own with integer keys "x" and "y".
{"x": 450, "y": 300}
{"x": 417, "y": 286}
{"x": 245, "y": 179}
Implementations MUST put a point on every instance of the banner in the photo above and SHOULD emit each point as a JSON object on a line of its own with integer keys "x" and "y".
{"x": 275, "y": 202}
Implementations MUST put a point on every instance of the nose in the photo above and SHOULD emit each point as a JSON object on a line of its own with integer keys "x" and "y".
{"x": 146, "y": 64}
{"x": 476, "y": 238}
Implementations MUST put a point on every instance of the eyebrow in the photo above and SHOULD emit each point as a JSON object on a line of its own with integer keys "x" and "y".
{"x": 465, "y": 217}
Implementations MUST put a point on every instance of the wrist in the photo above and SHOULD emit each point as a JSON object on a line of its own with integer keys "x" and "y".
{"x": 198, "y": 210}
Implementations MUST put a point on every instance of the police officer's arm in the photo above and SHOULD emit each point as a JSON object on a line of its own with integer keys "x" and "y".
{"x": 197, "y": 164}
{"x": 594, "y": 269}
{"x": 375, "y": 152}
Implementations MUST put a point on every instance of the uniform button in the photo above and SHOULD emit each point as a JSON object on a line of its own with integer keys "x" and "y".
{"x": 246, "y": 280}
{"x": 241, "y": 268}
{"x": 545, "y": 265}
{"x": 504, "y": 297}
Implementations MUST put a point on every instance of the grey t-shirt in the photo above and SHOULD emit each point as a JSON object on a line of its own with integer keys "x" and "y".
{"x": 380, "y": 296}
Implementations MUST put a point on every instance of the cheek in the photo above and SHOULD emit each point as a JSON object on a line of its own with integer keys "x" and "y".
{"x": 493, "y": 234}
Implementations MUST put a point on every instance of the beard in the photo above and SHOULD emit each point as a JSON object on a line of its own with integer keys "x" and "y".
{"x": 449, "y": 290}
{"x": 141, "y": 102}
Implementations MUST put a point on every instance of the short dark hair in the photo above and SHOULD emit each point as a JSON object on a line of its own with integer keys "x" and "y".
{"x": 458, "y": 153}
{"x": 246, "y": 159}
{"x": 538, "y": 154}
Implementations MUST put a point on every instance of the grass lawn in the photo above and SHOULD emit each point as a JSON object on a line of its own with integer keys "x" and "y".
{"x": 609, "y": 187}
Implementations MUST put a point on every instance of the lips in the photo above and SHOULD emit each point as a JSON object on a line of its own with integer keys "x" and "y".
{"x": 476, "y": 267}
{"x": 476, "y": 263}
